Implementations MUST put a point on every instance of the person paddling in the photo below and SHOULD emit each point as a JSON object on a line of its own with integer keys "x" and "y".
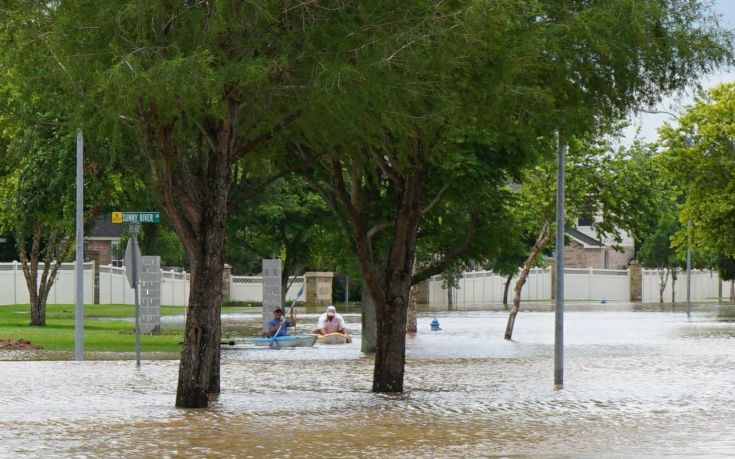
{"x": 279, "y": 326}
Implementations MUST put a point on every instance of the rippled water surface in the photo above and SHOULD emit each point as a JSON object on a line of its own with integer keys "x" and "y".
{"x": 637, "y": 383}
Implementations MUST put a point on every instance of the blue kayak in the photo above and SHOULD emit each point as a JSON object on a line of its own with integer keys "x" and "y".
{"x": 287, "y": 341}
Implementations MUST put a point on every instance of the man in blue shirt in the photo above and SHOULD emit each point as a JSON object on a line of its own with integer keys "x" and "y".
{"x": 279, "y": 325}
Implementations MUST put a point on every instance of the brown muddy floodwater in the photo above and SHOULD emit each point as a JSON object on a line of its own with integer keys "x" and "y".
{"x": 638, "y": 383}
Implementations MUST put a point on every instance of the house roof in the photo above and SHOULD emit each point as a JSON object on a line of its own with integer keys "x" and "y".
{"x": 583, "y": 238}
{"x": 103, "y": 228}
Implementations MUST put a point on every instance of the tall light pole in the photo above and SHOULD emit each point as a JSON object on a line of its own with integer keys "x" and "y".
{"x": 689, "y": 273}
{"x": 559, "y": 311}
{"x": 79, "y": 309}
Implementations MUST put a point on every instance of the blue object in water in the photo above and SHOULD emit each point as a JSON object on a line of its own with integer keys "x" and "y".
{"x": 603, "y": 301}
{"x": 435, "y": 325}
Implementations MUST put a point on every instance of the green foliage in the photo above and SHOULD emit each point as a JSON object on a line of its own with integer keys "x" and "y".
{"x": 287, "y": 222}
{"x": 726, "y": 268}
{"x": 656, "y": 251}
{"x": 698, "y": 158}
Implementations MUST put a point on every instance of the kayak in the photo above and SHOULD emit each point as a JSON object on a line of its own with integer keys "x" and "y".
{"x": 332, "y": 338}
{"x": 287, "y": 341}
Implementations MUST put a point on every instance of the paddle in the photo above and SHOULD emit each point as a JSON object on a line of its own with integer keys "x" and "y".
{"x": 290, "y": 313}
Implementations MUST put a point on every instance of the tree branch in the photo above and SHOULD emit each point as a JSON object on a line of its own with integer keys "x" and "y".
{"x": 453, "y": 254}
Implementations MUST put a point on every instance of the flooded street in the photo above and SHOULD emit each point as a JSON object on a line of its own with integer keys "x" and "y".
{"x": 637, "y": 383}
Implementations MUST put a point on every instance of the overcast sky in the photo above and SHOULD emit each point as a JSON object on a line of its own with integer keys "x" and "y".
{"x": 649, "y": 123}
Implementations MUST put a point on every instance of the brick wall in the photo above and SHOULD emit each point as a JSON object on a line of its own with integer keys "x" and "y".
{"x": 579, "y": 257}
{"x": 103, "y": 249}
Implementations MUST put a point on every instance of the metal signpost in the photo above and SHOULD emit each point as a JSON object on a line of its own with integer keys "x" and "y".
{"x": 133, "y": 260}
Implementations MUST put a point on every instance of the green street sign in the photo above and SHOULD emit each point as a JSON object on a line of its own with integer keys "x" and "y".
{"x": 135, "y": 217}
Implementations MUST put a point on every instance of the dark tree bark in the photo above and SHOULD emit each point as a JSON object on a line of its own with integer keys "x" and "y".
{"x": 195, "y": 197}
{"x": 506, "y": 288}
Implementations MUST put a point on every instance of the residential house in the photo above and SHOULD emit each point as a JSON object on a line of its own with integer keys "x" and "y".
{"x": 103, "y": 240}
{"x": 585, "y": 250}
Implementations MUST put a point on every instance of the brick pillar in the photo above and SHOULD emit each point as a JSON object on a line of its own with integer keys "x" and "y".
{"x": 95, "y": 257}
{"x": 226, "y": 276}
{"x": 318, "y": 287}
{"x": 635, "y": 279}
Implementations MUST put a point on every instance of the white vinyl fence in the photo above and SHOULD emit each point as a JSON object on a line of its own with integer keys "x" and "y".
{"x": 477, "y": 288}
{"x": 114, "y": 287}
{"x": 250, "y": 288}
{"x": 13, "y": 288}
{"x": 596, "y": 284}
{"x": 705, "y": 286}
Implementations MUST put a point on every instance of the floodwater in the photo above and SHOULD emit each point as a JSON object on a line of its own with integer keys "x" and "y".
{"x": 638, "y": 383}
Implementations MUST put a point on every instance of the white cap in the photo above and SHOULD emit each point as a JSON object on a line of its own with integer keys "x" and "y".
{"x": 331, "y": 310}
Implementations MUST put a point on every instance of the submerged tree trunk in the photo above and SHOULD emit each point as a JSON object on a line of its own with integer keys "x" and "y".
{"x": 673, "y": 285}
{"x": 199, "y": 369}
{"x": 411, "y": 321}
{"x": 369, "y": 326}
{"x": 194, "y": 190}
{"x": 543, "y": 238}
{"x": 663, "y": 277}
{"x": 506, "y": 288}
{"x": 390, "y": 355}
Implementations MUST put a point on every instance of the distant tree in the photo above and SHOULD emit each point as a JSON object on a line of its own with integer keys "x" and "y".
{"x": 657, "y": 253}
{"x": 697, "y": 156}
{"x": 39, "y": 206}
{"x": 617, "y": 187}
{"x": 287, "y": 223}
{"x": 726, "y": 268}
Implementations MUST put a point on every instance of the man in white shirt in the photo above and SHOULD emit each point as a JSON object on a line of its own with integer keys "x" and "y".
{"x": 331, "y": 322}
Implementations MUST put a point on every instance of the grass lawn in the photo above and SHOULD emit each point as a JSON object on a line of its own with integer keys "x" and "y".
{"x": 99, "y": 335}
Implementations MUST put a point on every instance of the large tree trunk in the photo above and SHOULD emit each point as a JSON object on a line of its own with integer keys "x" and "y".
{"x": 543, "y": 238}
{"x": 195, "y": 191}
{"x": 199, "y": 370}
{"x": 450, "y": 297}
{"x": 390, "y": 355}
{"x": 390, "y": 284}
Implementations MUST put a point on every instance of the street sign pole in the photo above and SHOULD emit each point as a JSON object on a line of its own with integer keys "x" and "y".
{"x": 136, "y": 283}
{"x": 133, "y": 260}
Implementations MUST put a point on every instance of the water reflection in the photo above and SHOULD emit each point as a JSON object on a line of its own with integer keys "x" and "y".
{"x": 638, "y": 383}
